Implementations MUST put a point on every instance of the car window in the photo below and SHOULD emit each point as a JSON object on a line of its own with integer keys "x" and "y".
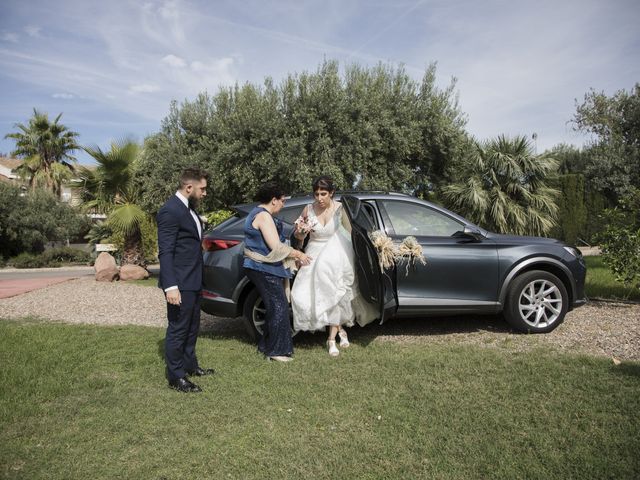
{"x": 371, "y": 214}
{"x": 414, "y": 219}
{"x": 289, "y": 214}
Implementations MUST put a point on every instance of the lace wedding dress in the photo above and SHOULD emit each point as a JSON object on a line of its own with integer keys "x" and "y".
{"x": 325, "y": 292}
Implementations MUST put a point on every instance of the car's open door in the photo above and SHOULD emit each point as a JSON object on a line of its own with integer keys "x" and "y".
{"x": 376, "y": 286}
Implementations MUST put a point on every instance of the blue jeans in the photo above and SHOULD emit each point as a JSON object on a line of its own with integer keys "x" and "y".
{"x": 276, "y": 336}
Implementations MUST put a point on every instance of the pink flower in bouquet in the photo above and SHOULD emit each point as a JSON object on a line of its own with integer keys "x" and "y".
{"x": 305, "y": 224}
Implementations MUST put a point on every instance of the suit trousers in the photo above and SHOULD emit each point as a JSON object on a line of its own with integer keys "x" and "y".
{"x": 182, "y": 333}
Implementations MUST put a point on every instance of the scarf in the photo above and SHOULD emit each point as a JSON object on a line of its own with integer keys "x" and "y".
{"x": 279, "y": 254}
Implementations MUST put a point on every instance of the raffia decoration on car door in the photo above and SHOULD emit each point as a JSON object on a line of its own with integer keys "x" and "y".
{"x": 389, "y": 253}
{"x": 385, "y": 247}
{"x": 411, "y": 251}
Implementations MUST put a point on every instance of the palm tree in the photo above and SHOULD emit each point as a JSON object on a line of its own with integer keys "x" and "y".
{"x": 46, "y": 149}
{"x": 110, "y": 189}
{"x": 503, "y": 188}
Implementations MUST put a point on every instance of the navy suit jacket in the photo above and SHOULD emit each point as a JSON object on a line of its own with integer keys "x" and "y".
{"x": 179, "y": 247}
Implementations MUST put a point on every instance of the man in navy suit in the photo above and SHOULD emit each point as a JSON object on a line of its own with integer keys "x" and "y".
{"x": 181, "y": 266}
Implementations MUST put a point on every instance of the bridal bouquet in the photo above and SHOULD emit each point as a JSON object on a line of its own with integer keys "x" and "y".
{"x": 305, "y": 224}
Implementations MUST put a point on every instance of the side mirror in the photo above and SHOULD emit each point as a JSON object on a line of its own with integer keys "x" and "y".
{"x": 473, "y": 232}
{"x": 470, "y": 234}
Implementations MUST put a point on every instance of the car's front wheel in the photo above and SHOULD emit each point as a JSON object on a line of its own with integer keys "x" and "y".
{"x": 537, "y": 302}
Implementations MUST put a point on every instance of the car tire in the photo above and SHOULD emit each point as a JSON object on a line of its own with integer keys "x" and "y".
{"x": 253, "y": 314}
{"x": 537, "y": 302}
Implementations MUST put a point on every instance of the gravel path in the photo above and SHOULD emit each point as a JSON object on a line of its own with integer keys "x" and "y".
{"x": 599, "y": 328}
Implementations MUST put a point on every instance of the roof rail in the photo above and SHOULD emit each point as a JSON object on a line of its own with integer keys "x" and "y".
{"x": 343, "y": 192}
{"x": 373, "y": 191}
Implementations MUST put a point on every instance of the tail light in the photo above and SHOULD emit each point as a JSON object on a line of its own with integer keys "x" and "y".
{"x": 214, "y": 244}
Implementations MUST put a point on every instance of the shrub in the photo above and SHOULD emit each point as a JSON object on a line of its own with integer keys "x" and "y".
{"x": 69, "y": 255}
{"x": 620, "y": 242}
{"x": 572, "y": 213}
{"x": 98, "y": 233}
{"x": 29, "y": 222}
{"x": 27, "y": 260}
{"x": 54, "y": 257}
{"x": 595, "y": 203}
{"x": 149, "y": 232}
{"x": 217, "y": 216}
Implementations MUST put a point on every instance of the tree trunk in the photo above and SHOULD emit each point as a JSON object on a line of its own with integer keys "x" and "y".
{"x": 133, "y": 253}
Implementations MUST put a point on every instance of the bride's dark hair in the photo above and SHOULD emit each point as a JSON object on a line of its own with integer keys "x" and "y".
{"x": 324, "y": 182}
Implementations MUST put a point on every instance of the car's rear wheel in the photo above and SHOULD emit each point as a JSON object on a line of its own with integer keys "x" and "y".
{"x": 253, "y": 315}
{"x": 537, "y": 302}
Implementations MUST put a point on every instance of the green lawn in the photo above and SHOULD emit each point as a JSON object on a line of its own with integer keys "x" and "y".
{"x": 602, "y": 284}
{"x": 152, "y": 281}
{"x": 86, "y": 402}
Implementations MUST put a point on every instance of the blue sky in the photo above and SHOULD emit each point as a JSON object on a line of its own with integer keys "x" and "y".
{"x": 112, "y": 67}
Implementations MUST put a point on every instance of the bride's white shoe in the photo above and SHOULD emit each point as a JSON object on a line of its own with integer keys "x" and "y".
{"x": 344, "y": 340}
{"x": 333, "y": 350}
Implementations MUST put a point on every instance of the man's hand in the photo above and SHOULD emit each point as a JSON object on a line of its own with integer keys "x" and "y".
{"x": 173, "y": 297}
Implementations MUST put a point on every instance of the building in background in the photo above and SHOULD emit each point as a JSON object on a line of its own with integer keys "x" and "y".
{"x": 8, "y": 175}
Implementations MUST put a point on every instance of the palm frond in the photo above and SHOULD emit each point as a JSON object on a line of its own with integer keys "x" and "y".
{"x": 126, "y": 218}
{"x": 504, "y": 188}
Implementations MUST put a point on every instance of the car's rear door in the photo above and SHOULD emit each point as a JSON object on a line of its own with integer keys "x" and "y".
{"x": 376, "y": 286}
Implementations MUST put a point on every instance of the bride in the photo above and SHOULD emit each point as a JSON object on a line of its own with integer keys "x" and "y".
{"x": 325, "y": 294}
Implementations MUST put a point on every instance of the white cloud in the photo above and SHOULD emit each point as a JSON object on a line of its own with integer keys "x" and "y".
{"x": 10, "y": 37}
{"x": 174, "y": 61}
{"x": 64, "y": 96}
{"x": 144, "y": 88}
{"x": 216, "y": 66}
{"x": 32, "y": 30}
{"x": 170, "y": 10}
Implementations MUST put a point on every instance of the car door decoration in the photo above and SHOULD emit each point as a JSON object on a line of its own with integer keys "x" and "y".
{"x": 390, "y": 253}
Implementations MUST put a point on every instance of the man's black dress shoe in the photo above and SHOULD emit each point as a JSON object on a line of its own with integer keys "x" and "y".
{"x": 184, "y": 385}
{"x": 201, "y": 372}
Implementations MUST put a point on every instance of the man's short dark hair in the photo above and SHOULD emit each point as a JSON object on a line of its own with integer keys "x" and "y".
{"x": 267, "y": 191}
{"x": 192, "y": 174}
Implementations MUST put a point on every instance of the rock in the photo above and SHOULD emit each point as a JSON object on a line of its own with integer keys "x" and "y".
{"x": 106, "y": 268}
{"x": 133, "y": 272}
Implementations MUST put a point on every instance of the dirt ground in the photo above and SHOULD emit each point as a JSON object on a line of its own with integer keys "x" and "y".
{"x": 598, "y": 328}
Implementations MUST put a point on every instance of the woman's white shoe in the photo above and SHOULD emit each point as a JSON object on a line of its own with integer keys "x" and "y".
{"x": 344, "y": 340}
{"x": 333, "y": 350}
{"x": 280, "y": 358}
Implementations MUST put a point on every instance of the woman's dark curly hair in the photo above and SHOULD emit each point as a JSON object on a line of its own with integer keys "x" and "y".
{"x": 267, "y": 191}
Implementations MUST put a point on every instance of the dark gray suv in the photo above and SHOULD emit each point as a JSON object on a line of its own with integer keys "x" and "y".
{"x": 533, "y": 281}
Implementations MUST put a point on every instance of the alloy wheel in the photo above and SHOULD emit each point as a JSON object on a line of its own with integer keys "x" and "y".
{"x": 257, "y": 315}
{"x": 540, "y": 303}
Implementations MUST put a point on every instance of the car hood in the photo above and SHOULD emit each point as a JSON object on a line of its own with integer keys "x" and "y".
{"x": 524, "y": 240}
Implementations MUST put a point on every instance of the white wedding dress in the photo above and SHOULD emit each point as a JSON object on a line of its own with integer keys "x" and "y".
{"x": 325, "y": 292}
